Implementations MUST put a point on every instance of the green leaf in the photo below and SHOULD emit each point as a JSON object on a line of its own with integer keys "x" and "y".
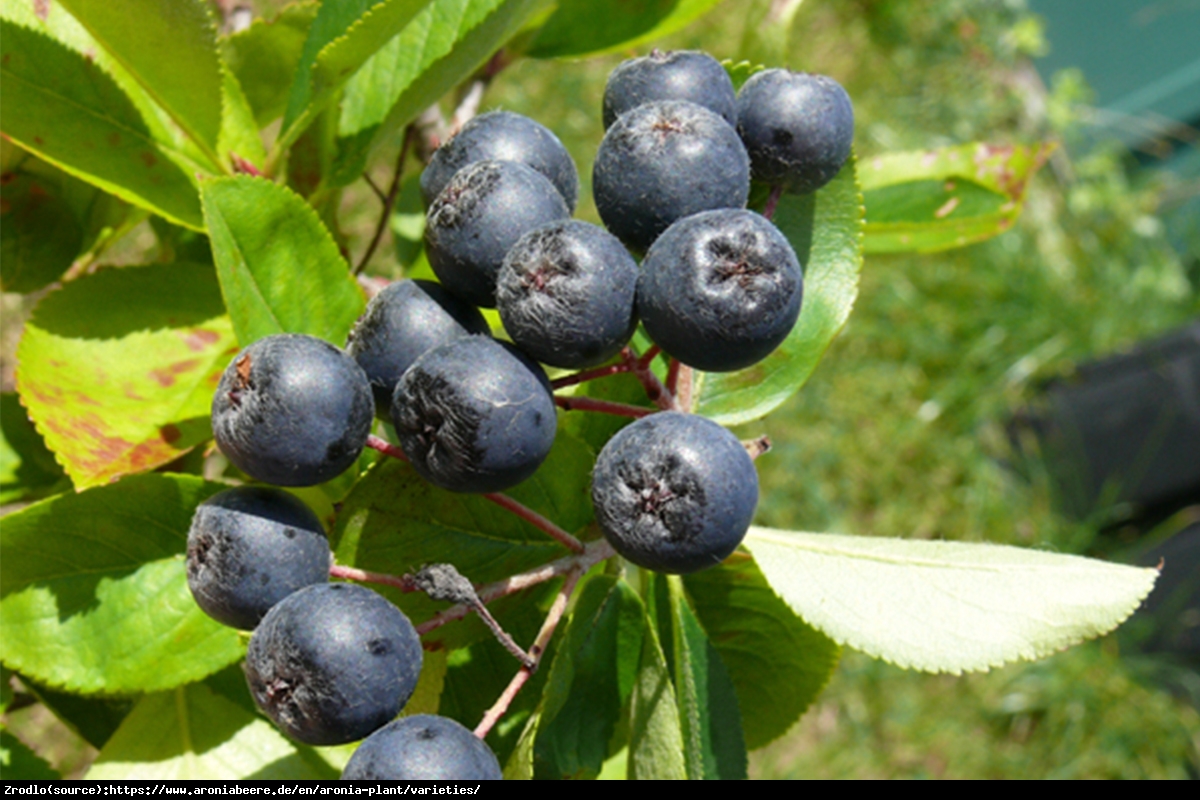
{"x": 394, "y": 521}
{"x": 767, "y": 36}
{"x": 342, "y": 37}
{"x": 585, "y": 27}
{"x": 264, "y": 57}
{"x": 655, "y": 739}
{"x": 19, "y": 763}
{"x": 590, "y": 681}
{"x": 118, "y": 368}
{"x": 39, "y": 233}
{"x": 239, "y": 131}
{"x": 825, "y": 229}
{"x": 713, "y": 746}
{"x": 170, "y": 48}
{"x": 280, "y": 270}
{"x": 63, "y": 107}
{"x": 946, "y": 606}
{"x": 95, "y": 718}
{"x": 443, "y": 45}
{"x": 938, "y": 199}
{"x": 777, "y": 662}
{"x": 194, "y": 733}
{"x": 27, "y": 468}
{"x": 95, "y": 595}
{"x": 519, "y": 766}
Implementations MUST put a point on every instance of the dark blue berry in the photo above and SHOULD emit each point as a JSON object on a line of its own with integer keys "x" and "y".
{"x": 250, "y": 547}
{"x": 797, "y": 127}
{"x": 292, "y": 410}
{"x": 720, "y": 290}
{"x": 566, "y": 294}
{"x": 480, "y": 214}
{"x": 421, "y": 748}
{"x": 400, "y": 324}
{"x": 503, "y": 136}
{"x": 333, "y": 663}
{"x": 663, "y": 161}
{"x": 679, "y": 75}
{"x": 473, "y": 417}
{"x": 674, "y": 492}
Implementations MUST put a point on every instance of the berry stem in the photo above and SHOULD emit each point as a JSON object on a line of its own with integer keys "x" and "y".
{"x": 655, "y": 390}
{"x": 535, "y": 519}
{"x": 384, "y": 446}
{"x": 403, "y": 583}
{"x": 557, "y": 610}
{"x": 603, "y": 406}
{"x": 648, "y": 357}
{"x": 388, "y": 201}
{"x": 502, "y": 635}
{"x": 673, "y": 376}
{"x": 588, "y": 375}
{"x": 593, "y": 553}
{"x": 684, "y": 386}
{"x": 772, "y": 201}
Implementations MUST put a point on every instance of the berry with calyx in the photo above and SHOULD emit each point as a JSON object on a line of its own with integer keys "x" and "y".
{"x": 566, "y": 294}
{"x": 678, "y": 75}
{"x": 720, "y": 290}
{"x": 474, "y": 416}
{"x": 674, "y": 492}
{"x": 663, "y": 161}
{"x": 420, "y": 748}
{"x": 797, "y": 127}
{"x": 292, "y": 410}
{"x": 401, "y": 322}
{"x": 480, "y": 214}
{"x": 250, "y": 547}
{"x": 503, "y": 136}
{"x": 333, "y": 663}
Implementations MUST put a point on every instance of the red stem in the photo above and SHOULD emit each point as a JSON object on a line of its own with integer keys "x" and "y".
{"x": 536, "y": 519}
{"x": 603, "y": 406}
{"x": 385, "y": 447}
{"x": 588, "y": 375}
{"x": 403, "y": 583}
{"x": 772, "y": 201}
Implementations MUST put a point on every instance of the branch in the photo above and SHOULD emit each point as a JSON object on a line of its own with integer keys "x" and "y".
{"x": 592, "y": 554}
{"x": 603, "y": 406}
{"x": 388, "y": 202}
{"x": 589, "y": 375}
{"x": 523, "y": 675}
{"x": 655, "y": 390}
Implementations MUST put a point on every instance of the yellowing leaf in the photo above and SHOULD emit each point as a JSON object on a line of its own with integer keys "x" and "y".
{"x": 946, "y": 606}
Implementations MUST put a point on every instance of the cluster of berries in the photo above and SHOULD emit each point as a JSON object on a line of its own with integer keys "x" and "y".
{"x": 718, "y": 288}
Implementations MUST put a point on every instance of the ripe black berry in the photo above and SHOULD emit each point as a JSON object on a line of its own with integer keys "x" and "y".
{"x": 674, "y": 492}
{"x": 679, "y": 75}
{"x": 400, "y": 324}
{"x": 480, "y": 214}
{"x": 472, "y": 416}
{"x": 333, "y": 663}
{"x": 720, "y": 290}
{"x": 566, "y": 294}
{"x": 663, "y": 161}
{"x": 797, "y": 127}
{"x": 292, "y": 410}
{"x": 423, "y": 747}
{"x": 503, "y": 136}
{"x": 250, "y": 547}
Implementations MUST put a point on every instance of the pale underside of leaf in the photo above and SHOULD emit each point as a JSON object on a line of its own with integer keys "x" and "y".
{"x": 946, "y": 606}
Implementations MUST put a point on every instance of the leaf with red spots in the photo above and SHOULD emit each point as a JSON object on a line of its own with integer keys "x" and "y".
{"x": 118, "y": 369}
{"x": 940, "y": 199}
